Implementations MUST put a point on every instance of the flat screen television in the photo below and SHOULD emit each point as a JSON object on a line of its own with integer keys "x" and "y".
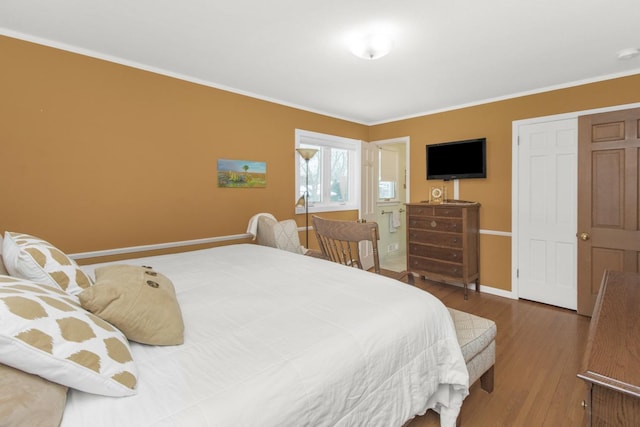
{"x": 457, "y": 159}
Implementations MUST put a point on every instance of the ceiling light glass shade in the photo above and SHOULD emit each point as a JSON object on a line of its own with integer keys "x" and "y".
{"x": 307, "y": 153}
{"x": 371, "y": 46}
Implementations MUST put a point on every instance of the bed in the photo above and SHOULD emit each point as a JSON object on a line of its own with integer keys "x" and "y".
{"x": 273, "y": 338}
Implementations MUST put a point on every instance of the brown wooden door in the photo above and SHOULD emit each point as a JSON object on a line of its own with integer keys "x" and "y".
{"x": 608, "y": 232}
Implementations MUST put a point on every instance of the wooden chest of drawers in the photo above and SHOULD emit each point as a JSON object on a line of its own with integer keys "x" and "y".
{"x": 612, "y": 356}
{"x": 443, "y": 242}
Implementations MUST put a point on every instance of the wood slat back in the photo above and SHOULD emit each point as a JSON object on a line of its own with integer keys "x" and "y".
{"x": 339, "y": 242}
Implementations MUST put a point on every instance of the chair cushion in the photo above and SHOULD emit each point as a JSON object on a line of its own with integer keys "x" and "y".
{"x": 474, "y": 333}
{"x": 282, "y": 235}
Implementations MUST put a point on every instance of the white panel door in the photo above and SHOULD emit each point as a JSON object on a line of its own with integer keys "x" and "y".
{"x": 368, "y": 195}
{"x": 547, "y": 212}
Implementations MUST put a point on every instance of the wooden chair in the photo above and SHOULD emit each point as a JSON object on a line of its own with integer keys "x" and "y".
{"x": 339, "y": 242}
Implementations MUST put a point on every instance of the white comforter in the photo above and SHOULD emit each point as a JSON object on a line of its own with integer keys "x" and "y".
{"x": 274, "y": 338}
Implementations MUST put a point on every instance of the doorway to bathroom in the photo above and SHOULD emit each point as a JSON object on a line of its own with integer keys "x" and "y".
{"x": 391, "y": 194}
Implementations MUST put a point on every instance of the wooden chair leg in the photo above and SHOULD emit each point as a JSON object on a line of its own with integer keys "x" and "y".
{"x": 410, "y": 279}
{"x": 486, "y": 380}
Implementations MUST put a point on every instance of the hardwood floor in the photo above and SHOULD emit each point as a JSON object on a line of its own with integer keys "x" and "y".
{"x": 539, "y": 350}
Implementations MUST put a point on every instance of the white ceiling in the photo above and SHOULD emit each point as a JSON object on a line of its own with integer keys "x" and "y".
{"x": 447, "y": 53}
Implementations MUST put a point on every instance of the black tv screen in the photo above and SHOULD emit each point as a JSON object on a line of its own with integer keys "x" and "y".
{"x": 457, "y": 159}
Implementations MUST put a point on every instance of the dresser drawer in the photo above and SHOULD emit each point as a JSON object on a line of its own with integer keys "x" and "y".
{"x": 435, "y": 210}
{"x": 450, "y": 240}
{"x": 443, "y": 241}
{"x": 418, "y": 264}
{"x": 436, "y": 223}
{"x": 436, "y": 252}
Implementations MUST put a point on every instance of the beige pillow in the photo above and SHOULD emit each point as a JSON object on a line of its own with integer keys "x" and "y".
{"x": 44, "y": 331}
{"x": 27, "y": 400}
{"x": 137, "y": 300}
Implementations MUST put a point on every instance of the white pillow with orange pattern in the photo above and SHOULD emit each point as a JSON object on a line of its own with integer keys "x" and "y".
{"x": 45, "y": 332}
{"x": 35, "y": 259}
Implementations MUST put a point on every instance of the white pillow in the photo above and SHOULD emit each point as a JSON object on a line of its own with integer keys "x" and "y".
{"x": 34, "y": 259}
{"x": 45, "y": 332}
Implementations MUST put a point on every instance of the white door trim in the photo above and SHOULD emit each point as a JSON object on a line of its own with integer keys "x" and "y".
{"x": 401, "y": 140}
{"x": 398, "y": 238}
{"x": 367, "y": 206}
{"x": 515, "y": 174}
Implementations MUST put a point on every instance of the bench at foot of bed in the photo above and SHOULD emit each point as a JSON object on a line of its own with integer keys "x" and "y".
{"x": 477, "y": 339}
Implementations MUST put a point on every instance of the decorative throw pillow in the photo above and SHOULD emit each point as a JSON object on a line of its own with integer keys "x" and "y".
{"x": 46, "y": 333}
{"x": 35, "y": 259}
{"x": 29, "y": 400}
{"x": 137, "y": 300}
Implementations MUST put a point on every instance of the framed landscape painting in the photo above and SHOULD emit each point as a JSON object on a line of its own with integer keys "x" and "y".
{"x": 242, "y": 174}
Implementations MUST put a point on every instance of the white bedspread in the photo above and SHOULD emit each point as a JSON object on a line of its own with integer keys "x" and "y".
{"x": 274, "y": 338}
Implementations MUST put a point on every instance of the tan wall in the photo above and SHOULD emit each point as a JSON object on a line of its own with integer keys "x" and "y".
{"x": 97, "y": 155}
{"x": 494, "y": 121}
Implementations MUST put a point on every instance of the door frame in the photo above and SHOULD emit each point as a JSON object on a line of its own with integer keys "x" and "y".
{"x": 406, "y": 140}
{"x": 515, "y": 177}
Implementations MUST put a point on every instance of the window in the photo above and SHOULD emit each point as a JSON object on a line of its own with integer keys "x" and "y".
{"x": 334, "y": 172}
{"x": 387, "y": 173}
{"x": 386, "y": 190}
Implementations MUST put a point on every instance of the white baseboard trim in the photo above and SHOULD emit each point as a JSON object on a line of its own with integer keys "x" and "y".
{"x": 169, "y": 245}
{"x": 483, "y": 289}
{"x": 496, "y": 233}
{"x": 498, "y": 292}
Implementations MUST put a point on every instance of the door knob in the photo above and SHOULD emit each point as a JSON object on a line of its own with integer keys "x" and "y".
{"x": 585, "y": 236}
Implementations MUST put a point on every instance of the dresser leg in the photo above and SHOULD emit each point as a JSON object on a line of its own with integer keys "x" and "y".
{"x": 465, "y": 291}
{"x": 478, "y": 285}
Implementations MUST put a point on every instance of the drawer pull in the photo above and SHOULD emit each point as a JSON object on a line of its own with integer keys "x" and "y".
{"x": 583, "y": 404}
{"x": 455, "y": 240}
{"x": 433, "y": 224}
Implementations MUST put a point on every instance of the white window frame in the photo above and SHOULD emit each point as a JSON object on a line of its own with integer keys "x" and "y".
{"x": 320, "y": 140}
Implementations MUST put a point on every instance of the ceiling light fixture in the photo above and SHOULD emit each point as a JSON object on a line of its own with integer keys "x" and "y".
{"x": 371, "y": 46}
{"x": 629, "y": 53}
